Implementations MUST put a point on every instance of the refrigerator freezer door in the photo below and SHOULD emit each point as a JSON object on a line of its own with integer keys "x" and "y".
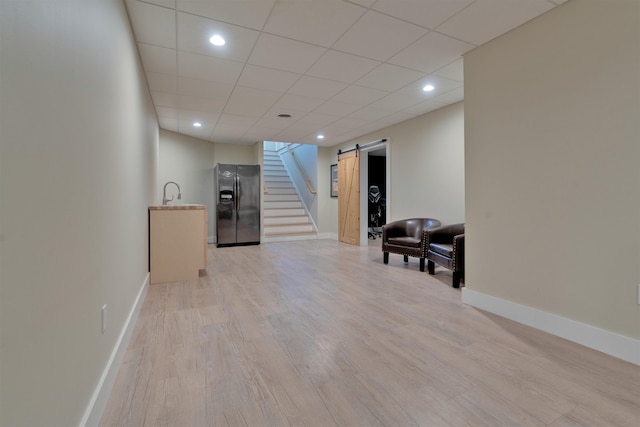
{"x": 225, "y": 204}
{"x": 248, "y": 204}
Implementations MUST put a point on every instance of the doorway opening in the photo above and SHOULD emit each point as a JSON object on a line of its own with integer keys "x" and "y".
{"x": 375, "y": 191}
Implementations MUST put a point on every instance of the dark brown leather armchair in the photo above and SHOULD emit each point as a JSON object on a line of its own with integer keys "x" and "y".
{"x": 445, "y": 247}
{"x": 406, "y": 237}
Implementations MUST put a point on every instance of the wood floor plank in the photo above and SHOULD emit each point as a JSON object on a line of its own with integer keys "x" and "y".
{"x": 319, "y": 333}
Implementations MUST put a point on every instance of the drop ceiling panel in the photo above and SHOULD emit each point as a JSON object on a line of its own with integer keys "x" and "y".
{"x": 186, "y": 118}
{"x": 246, "y": 13}
{"x": 207, "y": 68}
{"x": 358, "y": 95}
{"x": 389, "y": 77}
{"x": 310, "y": 139}
{"x": 347, "y": 67}
{"x": 314, "y": 87}
{"x": 316, "y": 22}
{"x": 284, "y": 54}
{"x": 350, "y": 123}
{"x": 232, "y": 123}
{"x": 167, "y": 112}
{"x": 302, "y": 130}
{"x": 332, "y": 131}
{"x": 440, "y": 84}
{"x": 344, "y": 137}
{"x": 204, "y": 89}
{"x": 162, "y": 82}
{"x": 164, "y": 99}
{"x": 342, "y": 67}
{"x": 337, "y": 108}
{"x": 442, "y": 51}
{"x": 194, "y": 33}
{"x": 453, "y": 96}
{"x": 272, "y": 121}
{"x": 158, "y": 59}
{"x": 267, "y": 78}
{"x": 426, "y": 13}
{"x": 153, "y": 24}
{"x": 371, "y": 127}
{"x": 292, "y": 135}
{"x": 365, "y": 3}
{"x": 200, "y": 104}
{"x": 452, "y": 71}
{"x": 396, "y": 101}
{"x": 246, "y": 101}
{"x": 370, "y": 114}
{"x": 296, "y": 102}
{"x": 166, "y": 3}
{"x": 378, "y": 36}
{"x": 315, "y": 118}
{"x": 471, "y": 24}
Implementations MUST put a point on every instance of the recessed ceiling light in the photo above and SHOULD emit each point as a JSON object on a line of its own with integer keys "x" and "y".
{"x": 428, "y": 88}
{"x": 217, "y": 40}
{"x": 320, "y": 136}
{"x": 197, "y": 124}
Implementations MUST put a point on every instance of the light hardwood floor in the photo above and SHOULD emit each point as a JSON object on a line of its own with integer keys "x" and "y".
{"x": 318, "y": 333}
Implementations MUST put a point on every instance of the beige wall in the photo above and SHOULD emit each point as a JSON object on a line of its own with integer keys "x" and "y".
{"x": 77, "y": 171}
{"x": 426, "y": 168}
{"x": 327, "y": 205}
{"x": 237, "y": 154}
{"x": 190, "y": 161}
{"x": 553, "y": 165}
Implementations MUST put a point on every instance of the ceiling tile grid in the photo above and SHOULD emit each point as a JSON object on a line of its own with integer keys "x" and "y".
{"x": 342, "y": 68}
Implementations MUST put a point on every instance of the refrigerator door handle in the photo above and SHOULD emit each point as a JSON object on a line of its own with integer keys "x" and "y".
{"x": 237, "y": 188}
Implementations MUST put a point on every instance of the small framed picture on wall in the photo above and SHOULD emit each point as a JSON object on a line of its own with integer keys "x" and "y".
{"x": 334, "y": 180}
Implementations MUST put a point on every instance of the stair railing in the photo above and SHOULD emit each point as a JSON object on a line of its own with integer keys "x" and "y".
{"x": 304, "y": 176}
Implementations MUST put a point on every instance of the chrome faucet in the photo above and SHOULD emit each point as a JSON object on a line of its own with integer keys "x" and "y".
{"x": 164, "y": 193}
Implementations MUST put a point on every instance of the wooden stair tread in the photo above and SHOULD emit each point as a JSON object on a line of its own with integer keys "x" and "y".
{"x": 277, "y": 179}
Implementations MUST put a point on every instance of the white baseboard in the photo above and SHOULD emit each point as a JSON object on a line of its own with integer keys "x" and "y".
{"x": 611, "y": 343}
{"x": 331, "y": 236}
{"x": 98, "y": 401}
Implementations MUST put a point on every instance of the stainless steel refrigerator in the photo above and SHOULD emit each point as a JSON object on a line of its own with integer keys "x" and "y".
{"x": 237, "y": 204}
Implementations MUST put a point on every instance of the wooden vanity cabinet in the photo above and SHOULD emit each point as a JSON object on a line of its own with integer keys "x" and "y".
{"x": 177, "y": 242}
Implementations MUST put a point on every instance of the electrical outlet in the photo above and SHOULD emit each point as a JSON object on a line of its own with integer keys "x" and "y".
{"x": 104, "y": 318}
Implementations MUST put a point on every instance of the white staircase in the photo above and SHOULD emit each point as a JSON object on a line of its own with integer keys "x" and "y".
{"x": 285, "y": 217}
